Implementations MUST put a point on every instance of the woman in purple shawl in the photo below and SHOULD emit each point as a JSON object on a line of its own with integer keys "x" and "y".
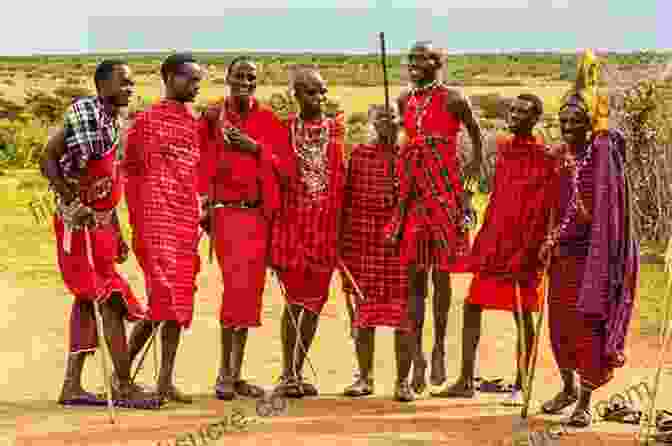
{"x": 594, "y": 259}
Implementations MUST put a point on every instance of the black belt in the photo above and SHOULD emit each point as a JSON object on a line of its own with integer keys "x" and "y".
{"x": 241, "y": 204}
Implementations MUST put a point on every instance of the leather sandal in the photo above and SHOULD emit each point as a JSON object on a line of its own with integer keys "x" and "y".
{"x": 559, "y": 402}
{"x": 580, "y": 418}
{"x": 243, "y": 388}
{"x": 361, "y": 387}
{"x": 403, "y": 392}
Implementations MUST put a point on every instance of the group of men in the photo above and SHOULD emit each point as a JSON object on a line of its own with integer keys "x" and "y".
{"x": 278, "y": 194}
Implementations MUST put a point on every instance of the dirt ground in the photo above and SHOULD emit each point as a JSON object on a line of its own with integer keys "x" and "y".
{"x": 32, "y": 354}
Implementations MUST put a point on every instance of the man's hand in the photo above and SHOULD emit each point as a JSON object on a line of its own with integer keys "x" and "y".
{"x": 205, "y": 221}
{"x": 122, "y": 255}
{"x": 241, "y": 140}
{"x": 80, "y": 215}
{"x": 393, "y": 234}
{"x": 546, "y": 252}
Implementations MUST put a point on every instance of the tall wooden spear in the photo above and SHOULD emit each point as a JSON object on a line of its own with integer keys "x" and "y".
{"x": 383, "y": 61}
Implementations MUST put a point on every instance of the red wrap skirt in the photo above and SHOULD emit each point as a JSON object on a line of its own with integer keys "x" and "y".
{"x": 308, "y": 289}
{"x": 89, "y": 272}
{"x": 241, "y": 242}
{"x": 496, "y": 293}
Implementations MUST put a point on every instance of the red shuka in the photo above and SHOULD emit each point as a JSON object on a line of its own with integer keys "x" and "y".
{"x": 162, "y": 158}
{"x": 505, "y": 252}
{"x": 430, "y": 205}
{"x": 305, "y": 230}
{"x": 377, "y": 267}
{"x": 242, "y": 235}
{"x": 228, "y": 174}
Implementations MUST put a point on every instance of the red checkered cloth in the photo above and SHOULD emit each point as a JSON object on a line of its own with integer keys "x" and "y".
{"x": 376, "y": 266}
{"x": 161, "y": 164}
{"x": 430, "y": 208}
{"x": 306, "y": 229}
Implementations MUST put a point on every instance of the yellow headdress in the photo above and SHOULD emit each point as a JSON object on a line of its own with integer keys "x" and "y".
{"x": 589, "y": 90}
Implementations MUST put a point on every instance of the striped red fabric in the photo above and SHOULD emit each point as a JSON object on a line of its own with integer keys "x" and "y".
{"x": 577, "y": 341}
{"x": 162, "y": 157}
{"x": 430, "y": 186}
{"x": 305, "y": 230}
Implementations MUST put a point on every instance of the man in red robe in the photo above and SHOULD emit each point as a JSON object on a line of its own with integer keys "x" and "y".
{"x": 82, "y": 166}
{"x": 162, "y": 157}
{"x": 430, "y": 220}
{"x": 243, "y": 145}
{"x": 378, "y": 271}
{"x": 507, "y": 271}
{"x": 304, "y": 243}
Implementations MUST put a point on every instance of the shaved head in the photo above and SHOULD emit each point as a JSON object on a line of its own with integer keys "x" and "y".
{"x": 307, "y": 76}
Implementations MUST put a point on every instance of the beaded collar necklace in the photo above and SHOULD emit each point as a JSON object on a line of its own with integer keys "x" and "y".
{"x": 575, "y": 199}
{"x": 421, "y": 108}
{"x": 312, "y": 153}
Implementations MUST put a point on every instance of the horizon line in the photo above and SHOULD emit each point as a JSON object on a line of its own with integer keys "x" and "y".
{"x": 396, "y": 52}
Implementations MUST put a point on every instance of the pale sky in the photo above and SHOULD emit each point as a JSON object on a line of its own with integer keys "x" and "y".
{"x": 34, "y": 27}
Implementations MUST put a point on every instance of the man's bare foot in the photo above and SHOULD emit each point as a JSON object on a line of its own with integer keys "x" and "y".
{"x": 458, "y": 390}
{"x": 419, "y": 382}
{"x": 361, "y": 387}
{"x": 438, "y": 373}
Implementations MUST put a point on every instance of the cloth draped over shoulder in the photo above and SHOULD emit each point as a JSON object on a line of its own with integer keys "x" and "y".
{"x": 517, "y": 217}
{"x": 228, "y": 174}
{"x": 609, "y": 285}
{"x": 161, "y": 164}
{"x": 305, "y": 230}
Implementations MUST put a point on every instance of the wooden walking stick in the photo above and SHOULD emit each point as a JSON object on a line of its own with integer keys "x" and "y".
{"x": 665, "y": 337}
{"x": 537, "y": 334}
{"x": 102, "y": 343}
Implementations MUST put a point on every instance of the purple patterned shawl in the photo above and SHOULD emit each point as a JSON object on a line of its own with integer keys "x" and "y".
{"x": 609, "y": 283}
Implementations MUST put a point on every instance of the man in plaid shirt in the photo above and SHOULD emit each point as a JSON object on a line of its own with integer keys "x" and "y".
{"x": 81, "y": 164}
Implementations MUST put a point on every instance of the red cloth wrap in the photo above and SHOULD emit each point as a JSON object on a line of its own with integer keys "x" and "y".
{"x": 241, "y": 244}
{"x": 430, "y": 187}
{"x": 305, "y": 232}
{"x": 89, "y": 271}
{"x": 376, "y": 266}
{"x": 95, "y": 277}
{"x": 162, "y": 157}
{"x": 307, "y": 288}
{"x": 504, "y": 256}
{"x": 228, "y": 174}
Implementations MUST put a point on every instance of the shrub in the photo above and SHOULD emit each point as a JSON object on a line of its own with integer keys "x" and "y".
{"x": 21, "y": 142}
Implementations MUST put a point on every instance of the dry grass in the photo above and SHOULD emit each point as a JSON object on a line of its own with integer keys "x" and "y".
{"x": 354, "y": 99}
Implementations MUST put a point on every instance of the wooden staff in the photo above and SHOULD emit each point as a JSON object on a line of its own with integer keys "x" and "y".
{"x": 383, "y": 61}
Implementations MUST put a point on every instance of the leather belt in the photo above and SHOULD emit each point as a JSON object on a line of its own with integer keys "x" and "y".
{"x": 240, "y": 204}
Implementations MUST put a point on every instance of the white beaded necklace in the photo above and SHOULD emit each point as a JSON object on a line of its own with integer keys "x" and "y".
{"x": 312, "y": 154}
